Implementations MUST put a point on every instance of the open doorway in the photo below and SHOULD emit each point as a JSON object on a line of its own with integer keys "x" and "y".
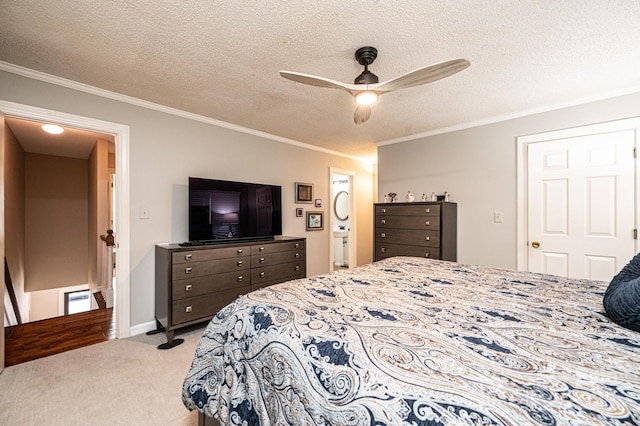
{"x": 342, "y": 223}
{"x": 56, "y": 206}
{"x": 120, "y": 135}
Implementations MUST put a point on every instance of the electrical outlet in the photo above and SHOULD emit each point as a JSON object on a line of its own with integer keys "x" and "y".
{"x": 498, "y": 217}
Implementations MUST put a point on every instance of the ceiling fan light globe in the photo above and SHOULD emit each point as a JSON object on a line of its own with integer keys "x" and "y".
{"x": 366, "y": 98}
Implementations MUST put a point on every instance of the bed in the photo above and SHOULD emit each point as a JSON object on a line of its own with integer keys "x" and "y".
{"x": 412, "y": 341}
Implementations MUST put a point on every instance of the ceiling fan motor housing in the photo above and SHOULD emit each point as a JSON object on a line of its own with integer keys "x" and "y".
{"x": 365, "y": 56}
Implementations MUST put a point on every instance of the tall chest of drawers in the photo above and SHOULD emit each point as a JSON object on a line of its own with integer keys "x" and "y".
{"x": 423, "y": 229}
{"x": 194, "y": 283}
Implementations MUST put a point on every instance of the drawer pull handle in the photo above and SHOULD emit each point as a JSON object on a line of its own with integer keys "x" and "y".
{"x": 297, "y": 245}
{"x": 261, "y": 249}
{"x": 261, "y": 274}
{"x": 262, "y": 260}
{"x": 382, "y": 250}
{"x": 187, "y": 270}
{"x": 240, "y": 251}
{"x": 297, "y": 255}
{"x": 240, "y": 278}
{"x": 427, "y": 210}
{"x": 427, "y": 238}
{"x": 297, "y": 267}
{"x": 383, "y": 235}
{"x": 384, "y": 210}
{"x": 426, "y": 255}
{"x": 383, "y": 221}
{"x": 427, "y": 223}
{"x": 188, "y": 309}
{"x": 187, "y": 287}
{"x": 187, "y": 256}
{"x": 239, "y": 262}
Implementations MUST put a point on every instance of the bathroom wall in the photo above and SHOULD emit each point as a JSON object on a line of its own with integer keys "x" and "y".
{"x": 340, "y": 226}
{"x": 340, "y": 183}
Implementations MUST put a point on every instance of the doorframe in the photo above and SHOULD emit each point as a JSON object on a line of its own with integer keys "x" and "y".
{"x": 351, "y": 233}
{"x": 523, "y": 173}
{"x": 121, "y": 136}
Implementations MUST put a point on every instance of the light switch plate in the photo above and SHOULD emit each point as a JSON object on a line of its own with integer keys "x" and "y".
{"x": 498, "y": 217}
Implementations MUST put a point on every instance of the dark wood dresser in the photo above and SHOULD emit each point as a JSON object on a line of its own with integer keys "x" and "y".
{"x": 194, "y": 283}
{"x": 424, "y": 229}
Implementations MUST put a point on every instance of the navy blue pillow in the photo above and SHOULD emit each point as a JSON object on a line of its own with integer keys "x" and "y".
{"x": 622, "y": 298}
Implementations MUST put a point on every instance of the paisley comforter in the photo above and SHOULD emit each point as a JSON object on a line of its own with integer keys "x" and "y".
{"x": 410, "y": 341}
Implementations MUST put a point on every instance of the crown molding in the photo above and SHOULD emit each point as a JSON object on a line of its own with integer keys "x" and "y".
{"x": 510, "y": 116}
{"x": 70, "y": 84}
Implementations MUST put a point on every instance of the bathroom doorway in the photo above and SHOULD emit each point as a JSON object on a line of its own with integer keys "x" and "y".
{"x": 342, "y": 219}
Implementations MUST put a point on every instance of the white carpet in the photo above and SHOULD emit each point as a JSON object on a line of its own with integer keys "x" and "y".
{"x": 119, "y": 382}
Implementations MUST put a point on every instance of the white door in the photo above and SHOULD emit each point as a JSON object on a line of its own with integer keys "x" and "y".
{"x": 581, "y": 204}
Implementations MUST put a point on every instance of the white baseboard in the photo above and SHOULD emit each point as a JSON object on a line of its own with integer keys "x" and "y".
{"x": 142, "y": 328}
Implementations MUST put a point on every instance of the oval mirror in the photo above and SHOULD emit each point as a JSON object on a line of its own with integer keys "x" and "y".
{"x": 341, "y": 205}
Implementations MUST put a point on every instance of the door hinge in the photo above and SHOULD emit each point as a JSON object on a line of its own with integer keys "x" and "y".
{"x": 635, "y": 234}
{"x": 635, "y": 152}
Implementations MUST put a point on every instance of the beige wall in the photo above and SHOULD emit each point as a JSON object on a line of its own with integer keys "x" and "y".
{"x": 166, "y": 149}
{"x": 14, "y": 211}
{"x": 56, "y": 211}
{"x": 45, "y": 304}
{"x": 477, "y": 166}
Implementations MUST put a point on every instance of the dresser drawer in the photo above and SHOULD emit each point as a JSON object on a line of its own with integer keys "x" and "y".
{"x": 198, "y": 269}
{"x": 390, "y": 250}
{"x": 262, "y": 284}
{"x": 431, "y": 210}
{"x": 408, "y": 236}
{"x": 268, "y": 259}
{"x": 282, "y": 272}
{"x": 259, "y": 249}
{"x": 209, "y": 254}
{"x": 204, "y": 307}
{"x": 197, "y": 286}
{"x": 408, "y": 222}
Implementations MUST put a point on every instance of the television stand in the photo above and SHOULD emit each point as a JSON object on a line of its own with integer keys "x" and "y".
{"x": 171, "y": 342}
{"x": 193, "y": 283}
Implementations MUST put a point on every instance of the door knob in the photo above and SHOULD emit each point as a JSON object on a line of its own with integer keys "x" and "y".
{"x": 535, "y": 244}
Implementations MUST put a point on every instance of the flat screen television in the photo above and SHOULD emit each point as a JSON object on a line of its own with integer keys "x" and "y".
{"x": 225, "y": 211}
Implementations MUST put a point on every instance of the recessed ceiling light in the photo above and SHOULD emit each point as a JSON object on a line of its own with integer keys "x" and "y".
{"x": 52, "y": 128}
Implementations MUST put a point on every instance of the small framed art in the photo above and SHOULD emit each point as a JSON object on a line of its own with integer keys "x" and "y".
{"x": 318, "y": 203}
{"x": 315, "y": 221}
{"x": 304, "y": 192}
{"x": 298, "y": 212}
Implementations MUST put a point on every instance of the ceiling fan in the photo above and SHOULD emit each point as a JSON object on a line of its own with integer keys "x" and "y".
{"x": 366, "y": 89}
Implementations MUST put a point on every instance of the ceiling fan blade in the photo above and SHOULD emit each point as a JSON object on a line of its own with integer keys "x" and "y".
{"x": 313, "y": 80}
{"x": 424, "y": 75}
{"x": 362, "y": 114}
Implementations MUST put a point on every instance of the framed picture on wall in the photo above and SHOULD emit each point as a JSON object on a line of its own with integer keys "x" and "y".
{"x": 298, "y": 212}
{"x": 304, "y": 192}
{"x": 315, "y": 221}
{"x": 318, "y": 203}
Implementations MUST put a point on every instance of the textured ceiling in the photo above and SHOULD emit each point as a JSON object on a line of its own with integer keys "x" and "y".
{"x": 220, "y": 59}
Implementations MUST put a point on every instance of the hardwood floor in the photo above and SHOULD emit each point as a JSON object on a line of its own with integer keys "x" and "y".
{"x": 39, "y": 339}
